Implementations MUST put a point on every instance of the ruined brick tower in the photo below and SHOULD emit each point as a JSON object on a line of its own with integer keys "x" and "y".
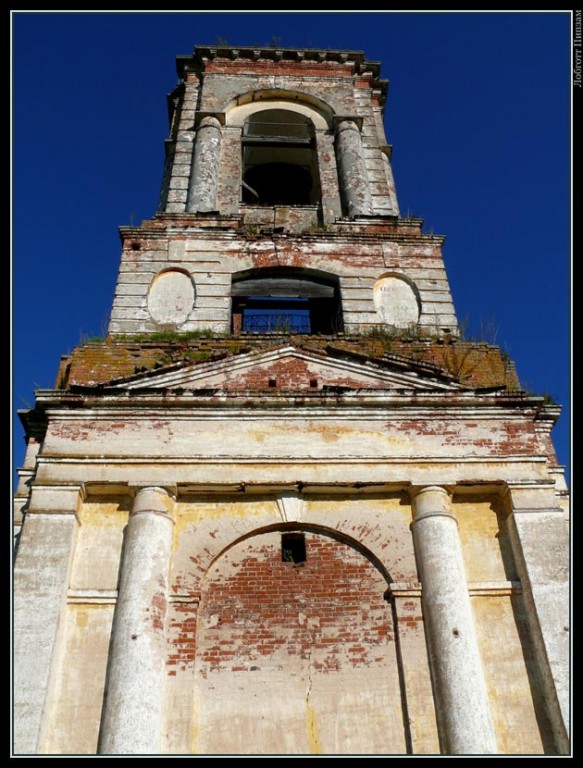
{"x": 283, "y": 508}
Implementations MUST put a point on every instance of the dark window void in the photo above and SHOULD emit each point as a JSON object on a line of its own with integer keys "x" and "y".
{"x": 279, "y": 160}
{"x": 286, "y": 300}
{"x": 277, "y": 184}
{"x": 293, "y": 548}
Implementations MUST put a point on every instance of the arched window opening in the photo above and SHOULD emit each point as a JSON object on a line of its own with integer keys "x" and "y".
{"x": 286, "y": 300}
{"x": 279, "y": 159}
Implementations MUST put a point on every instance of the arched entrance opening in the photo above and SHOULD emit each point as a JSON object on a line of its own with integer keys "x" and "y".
{"x": 296, "y": 650}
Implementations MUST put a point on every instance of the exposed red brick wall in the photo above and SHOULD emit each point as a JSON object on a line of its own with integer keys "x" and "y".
{"x": 290, "y": 373}
{"x": 546, "y": 446}
{"x": 330, "y": 608}
{"x": 182, "y": 634}
{"x": 282, "y": 68}
{"x": 505, "y": 438}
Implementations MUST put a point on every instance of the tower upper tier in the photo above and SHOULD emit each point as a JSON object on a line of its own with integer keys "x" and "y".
{"x": 278, "y": 209}
{"x": 258, "y": 127}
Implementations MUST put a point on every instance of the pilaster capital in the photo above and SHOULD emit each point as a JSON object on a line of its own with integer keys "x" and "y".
{"x": 56, "y": 499}
{"x": 530, "y": 496}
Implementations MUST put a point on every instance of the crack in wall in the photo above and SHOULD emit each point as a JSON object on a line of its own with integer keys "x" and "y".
{"x": 275, "y": 248}
{"x": 311, "y": 722}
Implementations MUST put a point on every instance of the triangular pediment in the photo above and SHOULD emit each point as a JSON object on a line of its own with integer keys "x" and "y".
{"x": 293, "y": 368}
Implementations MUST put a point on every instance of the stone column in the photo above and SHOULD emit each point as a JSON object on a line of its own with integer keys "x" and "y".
{"x": 202, "y": 190}
{"x": 132, "y": 714}
{"x": 464, "y": 719}
{"x": 354, "y": 186}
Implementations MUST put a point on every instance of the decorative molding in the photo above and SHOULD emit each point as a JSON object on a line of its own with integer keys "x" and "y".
{"x": 92, "y": 596}
{"x": 291, "y": 507}
{"x": 475, "y": 589}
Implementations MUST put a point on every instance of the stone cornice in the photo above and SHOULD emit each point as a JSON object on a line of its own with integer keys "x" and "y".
{"x": 386, "y": 404}
{"x": 202, "y": 54}
{"x": 211, "y": 226}
{"x": 309, "y": 62}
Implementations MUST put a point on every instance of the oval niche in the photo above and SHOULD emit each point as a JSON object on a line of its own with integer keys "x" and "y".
{"x": 395, "y": 301}
{"x": 171, "y": 297}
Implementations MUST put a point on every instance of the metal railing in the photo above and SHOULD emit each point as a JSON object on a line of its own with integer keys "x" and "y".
{"x": 276, "y": 322}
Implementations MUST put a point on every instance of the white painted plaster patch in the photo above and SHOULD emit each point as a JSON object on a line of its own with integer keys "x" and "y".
{"x": 395, "y": 301}
{"x": 171, "y": 297}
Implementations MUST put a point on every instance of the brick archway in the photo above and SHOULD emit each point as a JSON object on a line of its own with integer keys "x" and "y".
{"x": 296, "y": 652}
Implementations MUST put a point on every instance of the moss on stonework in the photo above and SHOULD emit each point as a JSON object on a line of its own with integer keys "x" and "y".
{"x": 389, "y": 334}
{"x": 204, "y": 333}
{"x": 473, "y": 364}
{"x": 185, "y": 355}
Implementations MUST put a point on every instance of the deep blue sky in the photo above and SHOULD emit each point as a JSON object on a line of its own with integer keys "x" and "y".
{"x": 478, "y": 114}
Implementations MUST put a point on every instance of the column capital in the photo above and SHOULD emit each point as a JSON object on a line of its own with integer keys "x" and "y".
{"x": 138, "y": 487}
{"x": 154, "y": 499}
{"x": 209, "y": 118}
{"x": 387, "y": 150}
{"x": 431, "y": 501}
{"x": 343, "y": 121}
{"x": 415, "y": 490}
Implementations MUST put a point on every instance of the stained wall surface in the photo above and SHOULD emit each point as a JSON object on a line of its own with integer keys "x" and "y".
{"x": 314, "y": 656}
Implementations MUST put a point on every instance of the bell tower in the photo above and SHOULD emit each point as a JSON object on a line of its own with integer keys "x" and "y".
{"x": 278, "y": 207}
{"x": 283, "y": 508}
